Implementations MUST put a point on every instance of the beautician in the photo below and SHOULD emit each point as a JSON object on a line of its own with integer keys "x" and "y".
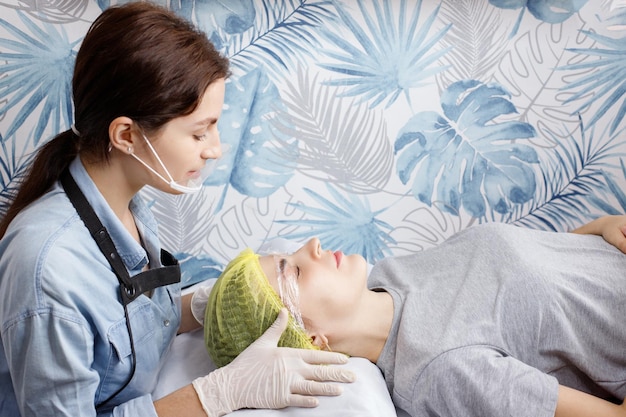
{"x": 90, "y": 301}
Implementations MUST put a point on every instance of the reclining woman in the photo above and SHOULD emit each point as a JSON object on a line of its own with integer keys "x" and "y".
{"x": 498, "y": 320}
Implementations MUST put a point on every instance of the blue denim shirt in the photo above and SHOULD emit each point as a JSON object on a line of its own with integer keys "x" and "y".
{"x": 65, "y": 346}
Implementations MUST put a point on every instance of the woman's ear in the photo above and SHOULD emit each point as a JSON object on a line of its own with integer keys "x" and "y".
{"x": 121, "y": 134}
{"x": 319, "y": 339}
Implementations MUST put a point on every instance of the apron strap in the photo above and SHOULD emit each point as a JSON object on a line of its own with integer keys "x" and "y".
{"x": 130, "y": 288}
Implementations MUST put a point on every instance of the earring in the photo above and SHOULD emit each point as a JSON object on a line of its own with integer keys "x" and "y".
{"x": 110, "y": 148}
{"x": 130, "y": 149}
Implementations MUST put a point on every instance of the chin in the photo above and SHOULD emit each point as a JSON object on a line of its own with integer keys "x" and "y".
{"x": 359, "y": 265}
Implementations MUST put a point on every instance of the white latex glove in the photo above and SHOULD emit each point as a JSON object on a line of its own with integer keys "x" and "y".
{"x": 199, "y": 301}
{"x": 266, "y": 376}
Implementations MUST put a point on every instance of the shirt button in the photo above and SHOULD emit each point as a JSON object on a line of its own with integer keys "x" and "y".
{"x": 166, "y": 323}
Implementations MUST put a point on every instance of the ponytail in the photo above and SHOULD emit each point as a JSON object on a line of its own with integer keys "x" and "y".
{"x": 51, "y": 160}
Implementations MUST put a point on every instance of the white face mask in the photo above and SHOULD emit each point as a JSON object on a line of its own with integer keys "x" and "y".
{"x": 193, "y": 184}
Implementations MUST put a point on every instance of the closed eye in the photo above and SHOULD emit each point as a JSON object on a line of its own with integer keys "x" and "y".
{"x": 282, "y": 266}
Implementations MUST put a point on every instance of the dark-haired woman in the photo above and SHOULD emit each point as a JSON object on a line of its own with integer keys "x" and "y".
{"x": 90, "y": 302}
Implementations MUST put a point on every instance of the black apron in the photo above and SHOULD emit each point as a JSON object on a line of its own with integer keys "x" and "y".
{"x": 130, "y": 288}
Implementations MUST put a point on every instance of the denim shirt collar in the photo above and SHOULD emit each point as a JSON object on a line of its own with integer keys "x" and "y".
{"x": 132, "y": 253}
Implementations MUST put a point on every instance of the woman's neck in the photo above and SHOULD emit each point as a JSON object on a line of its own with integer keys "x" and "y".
{"x": 114, "y": 187}
{"x": 366, "y": 334}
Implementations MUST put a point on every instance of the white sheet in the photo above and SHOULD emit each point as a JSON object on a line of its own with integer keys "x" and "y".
{"x": 367, "y": 396}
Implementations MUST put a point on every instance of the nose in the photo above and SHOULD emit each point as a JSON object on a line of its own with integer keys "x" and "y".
{"x": 213, "y": 148}
{"x": 314, "y": 247}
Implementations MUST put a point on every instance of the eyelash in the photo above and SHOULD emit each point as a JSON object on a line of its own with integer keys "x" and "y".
{"x": 203, "y": 136}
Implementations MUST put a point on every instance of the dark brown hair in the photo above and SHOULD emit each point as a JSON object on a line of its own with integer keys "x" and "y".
{"x": 137, "y": 60}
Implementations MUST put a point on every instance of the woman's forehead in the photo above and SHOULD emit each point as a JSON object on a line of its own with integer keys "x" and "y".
{"x": 268, "y": 265}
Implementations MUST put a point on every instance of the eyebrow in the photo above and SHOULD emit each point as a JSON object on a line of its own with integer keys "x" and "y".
{"x": 281, "y": 265}
{"x": 206, "y": 121}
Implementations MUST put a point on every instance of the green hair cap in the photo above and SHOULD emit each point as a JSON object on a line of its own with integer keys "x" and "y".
{"x": 241, "y": 306}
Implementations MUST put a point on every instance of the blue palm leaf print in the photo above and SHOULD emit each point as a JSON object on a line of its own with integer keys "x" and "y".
{"x": 277, "y": 32}
{"x": 617, "y": 20}
{"x": 396, "y": 57}
{"x": 464, "y": 158}
{"x": 608, "y": 81}
{"x": 348, "y": 225}
{"x": 196, "y": 268}
{"x": 614, "y": 186}
{"x": 549, "y": 11}
{"x": 232, "y": 16}
{"x": 39, "y": 70}
{"x": 253, "y": 166}
{"x": 572, "y": 180}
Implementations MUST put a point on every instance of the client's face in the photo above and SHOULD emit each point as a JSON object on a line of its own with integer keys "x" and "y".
{"x": 329, "y": 283}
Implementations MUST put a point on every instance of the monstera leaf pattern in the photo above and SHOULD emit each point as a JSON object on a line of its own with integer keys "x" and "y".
{"x": 463, "y": 157}
{"x": 380, "y": 126}
{"x": 252, "y": 164}
{"x": 549, "y": 11}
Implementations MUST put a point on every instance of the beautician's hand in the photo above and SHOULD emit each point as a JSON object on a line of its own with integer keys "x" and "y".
{"x": 611, "y": 228}
{"x": 266, "y": 376}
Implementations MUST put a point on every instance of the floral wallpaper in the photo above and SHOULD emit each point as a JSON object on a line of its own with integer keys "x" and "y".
{"x": 380, "y": 126}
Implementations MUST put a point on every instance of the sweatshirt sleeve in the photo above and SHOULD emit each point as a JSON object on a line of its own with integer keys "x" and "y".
{"x": 483, "y": 381}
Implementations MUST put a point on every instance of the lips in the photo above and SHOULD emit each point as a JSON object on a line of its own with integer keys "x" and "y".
{"x": 338, "y": 257}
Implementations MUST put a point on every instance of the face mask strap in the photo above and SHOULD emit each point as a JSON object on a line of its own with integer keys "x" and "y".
{"x": 173, "y": 184}
{"x": 151, "y": 169}
{"x": 156, "y": 155}
{"x": 196, "y": 185}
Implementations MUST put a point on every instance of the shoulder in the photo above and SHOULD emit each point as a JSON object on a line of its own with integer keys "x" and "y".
{"x": 42, "y": 217}
{"x": 505, "y": 238}
{"x": 47, "y": 254}
{"x": 47, "y": 223}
